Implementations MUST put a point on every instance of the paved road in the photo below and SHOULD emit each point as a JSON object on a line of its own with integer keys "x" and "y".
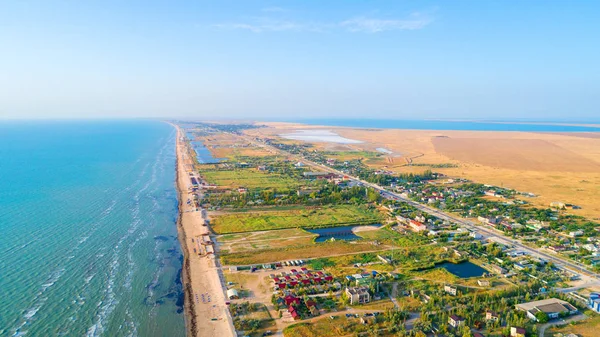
{"x": 498, "y": 236}
{"x": 574, "y": 318}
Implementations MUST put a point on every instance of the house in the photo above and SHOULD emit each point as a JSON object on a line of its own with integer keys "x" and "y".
{"x": 367, "y": 320}
{"x": 558, "y": 248}
{"x": 319, "y": 175}
{"x": 594, "y": 302}
{"x": 294, "y": 313}
{"x": 499, "y": 270}
{"x": 576, "y": 233}
{"x": 384, "y": 259}
{"x": 536, "y": 225}
{"x": 358, "y": 295}
{"x": 232, "y": 294}
{"x": 483, "y": 283}
{"x": 456, "y": 321}
{"x": 312, "y": 307}
{"x": 558, "y": 204}
{"x": 517, "y": 332}
{"x": 553, "y": 307}
{"x": 306, "y": 191}
{"x": 491, "y": 316}
{"x": 417, "y": 226}
{"x": 450, "y": 290}
{"x": 291, "y": 299}
{"x": 401, "y": 219}
{"x": 475, "y": 235}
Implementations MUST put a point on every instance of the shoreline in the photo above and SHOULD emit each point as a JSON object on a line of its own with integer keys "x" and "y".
{"x": 200, "y": 275}
{"x": 186, "y": 282}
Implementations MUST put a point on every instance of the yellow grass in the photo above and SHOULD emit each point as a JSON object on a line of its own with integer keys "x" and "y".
{"x": 585, "y": 328}
{"x": 296, "y": 252}
{"x": 556, "y": 167}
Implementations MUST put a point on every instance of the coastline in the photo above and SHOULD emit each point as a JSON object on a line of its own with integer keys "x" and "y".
{"x": 186, "y": 282}
{"x": 200, "y": 274}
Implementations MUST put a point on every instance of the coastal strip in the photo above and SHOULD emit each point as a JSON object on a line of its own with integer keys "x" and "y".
{"x": 206, "y": 311}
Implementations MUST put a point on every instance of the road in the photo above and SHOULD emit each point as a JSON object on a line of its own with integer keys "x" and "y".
{"x": 542, "y": 328}
{"x": 498, "y": 236}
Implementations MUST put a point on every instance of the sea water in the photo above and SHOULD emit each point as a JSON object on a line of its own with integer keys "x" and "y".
{"x": 88, "y": 237}
{"x": 449, "y": 125}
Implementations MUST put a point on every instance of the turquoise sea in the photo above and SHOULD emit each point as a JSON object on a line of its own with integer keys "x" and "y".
{"x": 450, "y": 125}
{"x": 88, "y": 240}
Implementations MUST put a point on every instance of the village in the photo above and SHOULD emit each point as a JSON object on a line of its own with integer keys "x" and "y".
{"x": 297, "y": 258}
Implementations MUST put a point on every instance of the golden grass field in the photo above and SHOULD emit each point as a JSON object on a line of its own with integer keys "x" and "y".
{"x": 297, "y": 251}
{"x": 588, "y": 327}
{"x": 554, "y": 166}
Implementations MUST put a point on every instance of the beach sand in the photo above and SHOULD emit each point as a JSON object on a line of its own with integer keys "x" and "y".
{"x": 201, "y": 274}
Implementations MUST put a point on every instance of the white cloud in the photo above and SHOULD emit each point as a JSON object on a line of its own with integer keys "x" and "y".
{"x": 274, "y": 10}
{"x": 369, "y": 25}
{"x": 265, "y": 26}
{"x": 358, "y": 24}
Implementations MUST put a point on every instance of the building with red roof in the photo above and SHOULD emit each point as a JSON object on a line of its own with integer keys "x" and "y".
{"x": 291, "y": 299}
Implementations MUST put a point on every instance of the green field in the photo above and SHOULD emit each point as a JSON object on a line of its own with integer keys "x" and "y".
{"x": 349, "y": 155}
{"x": 249, "y": 178}
{"x": 293, "y": 217}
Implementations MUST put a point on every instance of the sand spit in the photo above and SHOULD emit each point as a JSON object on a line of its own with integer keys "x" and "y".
{"x": 206, "y": 310}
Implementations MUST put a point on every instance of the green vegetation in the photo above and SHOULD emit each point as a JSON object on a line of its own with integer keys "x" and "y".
{"x": 319, "y": 264}
{"x": 250, "y": 316}
{"x": 444, "y": 165}
{"x": 349, "y": 155}
{"x": 250, "y": 178}
{"x": 294, "y": 217}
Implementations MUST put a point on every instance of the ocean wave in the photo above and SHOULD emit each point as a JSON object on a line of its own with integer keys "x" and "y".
{"x": 109, "y": 302}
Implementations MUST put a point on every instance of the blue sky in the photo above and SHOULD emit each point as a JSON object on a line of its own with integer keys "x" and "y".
{"x": 300, "y": 59}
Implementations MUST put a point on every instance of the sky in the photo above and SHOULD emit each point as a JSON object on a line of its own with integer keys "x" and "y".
{"x": 300, "y": 59}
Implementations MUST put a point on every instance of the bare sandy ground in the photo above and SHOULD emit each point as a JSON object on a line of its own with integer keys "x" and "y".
{"x": 205, "y": 297}
{"x": 367, "y": 228}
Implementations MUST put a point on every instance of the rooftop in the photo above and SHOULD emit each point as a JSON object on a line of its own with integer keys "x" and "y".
{"x": 357, "y": 290}
{"x": 549, "y": 305}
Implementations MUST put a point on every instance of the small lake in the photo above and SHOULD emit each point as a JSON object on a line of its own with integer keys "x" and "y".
{"x": 319, "y": 136}
{"x": 463, "y": 269}
{"x": 203, "y": 154}
{"x": 339, "y": 233}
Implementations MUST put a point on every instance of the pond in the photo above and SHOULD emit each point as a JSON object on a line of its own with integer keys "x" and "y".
{"x": 463, "y": 269}
{"x": 345, "y": 233}
{"x": 203, "y": 154}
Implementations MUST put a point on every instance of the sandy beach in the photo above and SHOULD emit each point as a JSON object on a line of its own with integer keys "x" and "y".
{"x": 205, "y": 308}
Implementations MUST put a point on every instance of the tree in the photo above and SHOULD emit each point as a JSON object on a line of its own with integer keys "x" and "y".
{"x": 541, "y": 317}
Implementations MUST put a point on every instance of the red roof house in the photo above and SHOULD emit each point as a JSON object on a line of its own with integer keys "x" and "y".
{"x": 289, "y": 299}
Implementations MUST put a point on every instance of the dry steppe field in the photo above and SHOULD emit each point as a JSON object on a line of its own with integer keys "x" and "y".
{"x": 555, "y": 166}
